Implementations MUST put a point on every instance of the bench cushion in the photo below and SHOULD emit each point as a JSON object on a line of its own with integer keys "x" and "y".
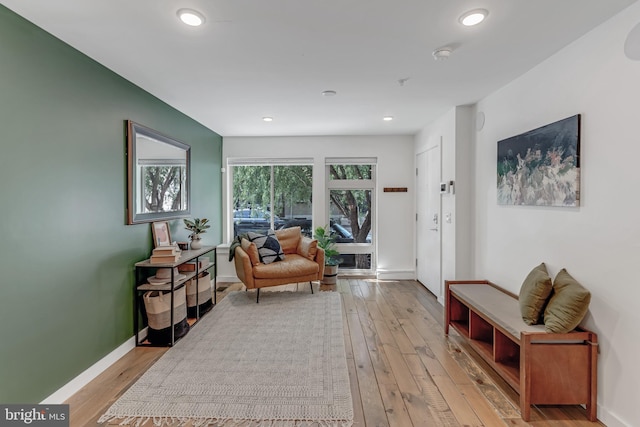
{"x": 534, "y": 293}
{"x": 568, "y": 304}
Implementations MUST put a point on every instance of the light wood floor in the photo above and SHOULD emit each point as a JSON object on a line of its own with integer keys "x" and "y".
{"x": 404, "y": 372}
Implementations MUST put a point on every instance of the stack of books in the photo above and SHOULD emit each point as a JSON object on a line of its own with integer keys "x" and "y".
{"x": 165, "y": 255}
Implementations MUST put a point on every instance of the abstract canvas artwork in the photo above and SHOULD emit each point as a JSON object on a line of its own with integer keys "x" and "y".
{"x": 541, "y": 167}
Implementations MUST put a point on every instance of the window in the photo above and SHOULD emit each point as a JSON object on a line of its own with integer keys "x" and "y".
{"x": 272, "y": 194}
{"x": 351, "y": 189}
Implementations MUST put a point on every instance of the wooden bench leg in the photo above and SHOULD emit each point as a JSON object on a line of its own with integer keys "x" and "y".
{"x": 525, "y": 409}
{"x": 592, "y": 404}
{"x": 525, "y": 377}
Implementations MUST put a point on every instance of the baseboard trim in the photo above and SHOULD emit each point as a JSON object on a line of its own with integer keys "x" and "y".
{"x": 73, "y": 386}
{"x": 609, "y": 419}
{"x": 227, "y": 279}
{"x": 384, "y": 274}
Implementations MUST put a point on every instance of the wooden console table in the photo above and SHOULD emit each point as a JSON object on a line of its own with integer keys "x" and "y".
{"x": 145, "y": 269}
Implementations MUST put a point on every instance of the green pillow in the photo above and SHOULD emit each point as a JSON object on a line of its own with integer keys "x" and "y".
{"x": 568, "y": 304}
{"x": 534, "y": 292}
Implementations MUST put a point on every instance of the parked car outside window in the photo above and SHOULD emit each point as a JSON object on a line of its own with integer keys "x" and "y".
{"x": 254, "y": 220}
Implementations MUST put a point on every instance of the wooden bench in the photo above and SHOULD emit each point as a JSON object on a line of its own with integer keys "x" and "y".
{"x": 543, "y": 368}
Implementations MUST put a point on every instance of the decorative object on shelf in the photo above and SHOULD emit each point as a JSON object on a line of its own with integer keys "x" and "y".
{"x": 183, "y": 245}
{"x": 200, "y": 265}
{"x": 165, "y": 255}
{"x": 541, "y": 167}
{"x": 163, "y": 275}
{"x": 327, "y": 241}
{"x": 161, "y": 234}
{"x": 197, "y": 227}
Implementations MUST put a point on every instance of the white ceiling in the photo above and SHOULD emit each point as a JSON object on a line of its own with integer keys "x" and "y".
{"x": 256, "y": 58}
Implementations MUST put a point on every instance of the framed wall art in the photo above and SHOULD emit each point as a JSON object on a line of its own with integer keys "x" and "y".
{"x": 541, "y": 167}
{"x": 161, "y": 233}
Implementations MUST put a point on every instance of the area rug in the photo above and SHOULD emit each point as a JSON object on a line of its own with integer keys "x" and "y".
{"x": 278, "y": 363}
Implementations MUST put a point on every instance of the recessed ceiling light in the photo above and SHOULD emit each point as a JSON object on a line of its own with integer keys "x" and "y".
{"x": 329, "y": 93}
{"x": 387, "y": 118}
{"x": 267, "y": 119}
{"x": 473, "y": 17}
{"x": 191, "y": 17}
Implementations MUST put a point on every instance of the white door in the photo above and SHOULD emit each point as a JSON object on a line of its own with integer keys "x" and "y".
{"x": 429, "y": 263}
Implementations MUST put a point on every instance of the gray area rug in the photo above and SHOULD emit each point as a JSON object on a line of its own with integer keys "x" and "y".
{"x": 278, "y": 363}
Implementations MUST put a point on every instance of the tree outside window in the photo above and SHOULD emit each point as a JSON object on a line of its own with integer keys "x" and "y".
{"x": 273, "y": 196}
{"x": 162, "y": 189}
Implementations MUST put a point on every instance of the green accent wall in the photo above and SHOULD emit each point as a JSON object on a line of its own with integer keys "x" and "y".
{"x": 66, "y": 263}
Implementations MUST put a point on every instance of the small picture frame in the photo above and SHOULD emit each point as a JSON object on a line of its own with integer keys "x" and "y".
{"x": 161, "y": 233}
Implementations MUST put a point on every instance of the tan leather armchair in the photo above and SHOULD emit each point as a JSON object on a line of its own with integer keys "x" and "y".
{"x": 303, "y": 262}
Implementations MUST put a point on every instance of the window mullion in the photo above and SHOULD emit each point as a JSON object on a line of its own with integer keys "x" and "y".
{"x": 272, "y": 197}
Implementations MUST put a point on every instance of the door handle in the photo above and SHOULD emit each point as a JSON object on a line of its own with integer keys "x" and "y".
{"x": 434, "y": 229}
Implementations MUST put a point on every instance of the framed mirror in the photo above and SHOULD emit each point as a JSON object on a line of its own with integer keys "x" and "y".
{"x": 158, "y": 176}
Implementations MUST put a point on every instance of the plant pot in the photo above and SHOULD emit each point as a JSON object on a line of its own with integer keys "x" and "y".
{"x": 330, "y": 275}
{"x": 196, "y": 244}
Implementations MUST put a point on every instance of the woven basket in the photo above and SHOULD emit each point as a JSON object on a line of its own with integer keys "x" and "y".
{"x": 203, "y": 292}
{"x": 158, "y": 307}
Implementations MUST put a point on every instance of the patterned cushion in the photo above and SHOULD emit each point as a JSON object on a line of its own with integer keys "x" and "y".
{"x": 268, "y": 246}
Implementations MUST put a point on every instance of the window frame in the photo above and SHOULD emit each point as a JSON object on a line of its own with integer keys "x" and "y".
{"x": 355, "y": 184}
{"x": 270, "y": 162}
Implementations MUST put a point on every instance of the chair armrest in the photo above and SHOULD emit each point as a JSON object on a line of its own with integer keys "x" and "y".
{"x": 244, "y": 270}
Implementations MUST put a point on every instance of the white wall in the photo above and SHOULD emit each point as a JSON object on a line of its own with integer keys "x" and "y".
{"x": 453, "y": 132}
{"x": 395, "y": 168}
{"x": 599, "y": 242}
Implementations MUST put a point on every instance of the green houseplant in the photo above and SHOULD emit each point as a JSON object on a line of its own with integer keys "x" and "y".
{"x": 327, "y": 241}
{"x": 197, "y": 227}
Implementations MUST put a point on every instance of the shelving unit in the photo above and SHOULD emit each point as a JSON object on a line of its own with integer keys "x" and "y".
{"x": 145, "y": 269}
{"x": 544, "y": 368}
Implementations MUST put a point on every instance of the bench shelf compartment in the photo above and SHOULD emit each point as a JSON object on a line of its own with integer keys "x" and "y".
{"x": 459, "y": 315}
{"x": 543, "y": 368}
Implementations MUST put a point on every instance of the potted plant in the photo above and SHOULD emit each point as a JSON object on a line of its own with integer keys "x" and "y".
{"x": 196, "y": 227}
{"x": 327, "y": 241}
